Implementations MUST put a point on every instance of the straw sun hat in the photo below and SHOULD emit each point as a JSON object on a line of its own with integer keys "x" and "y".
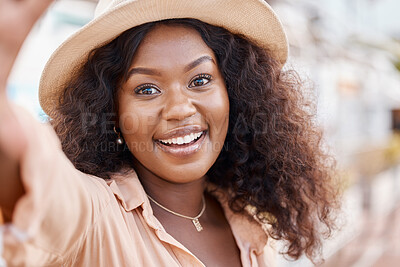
{"x": 252, "y": 18}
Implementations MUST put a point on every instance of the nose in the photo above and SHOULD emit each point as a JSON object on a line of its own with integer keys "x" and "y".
{"x": 179, "y": 106}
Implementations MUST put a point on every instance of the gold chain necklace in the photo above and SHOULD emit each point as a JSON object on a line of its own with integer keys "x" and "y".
{"x": 195, "y": 220}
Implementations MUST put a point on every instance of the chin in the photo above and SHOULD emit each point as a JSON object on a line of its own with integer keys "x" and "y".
{"x": 181, "y": 175}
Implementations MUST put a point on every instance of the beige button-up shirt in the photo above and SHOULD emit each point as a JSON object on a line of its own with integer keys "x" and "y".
{"x": 69, "y": 218}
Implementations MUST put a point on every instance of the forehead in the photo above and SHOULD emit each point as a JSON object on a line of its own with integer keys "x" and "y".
{"x": 171, "y": 44}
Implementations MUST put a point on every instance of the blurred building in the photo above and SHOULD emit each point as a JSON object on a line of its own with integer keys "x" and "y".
{"x": 348, "y": 49}
{"x": 351, "y": 64}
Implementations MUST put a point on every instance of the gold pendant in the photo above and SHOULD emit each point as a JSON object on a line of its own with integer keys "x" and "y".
{"x": 197, "y": 224}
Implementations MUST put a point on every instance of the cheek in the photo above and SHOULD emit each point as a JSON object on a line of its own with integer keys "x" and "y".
{"x": 137, "y": 119}
{"x": 138, "y": 132}
{"x": 218, "y": 115}
{"x": 129, "y": 122}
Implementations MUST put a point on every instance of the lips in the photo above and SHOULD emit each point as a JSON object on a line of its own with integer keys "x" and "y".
{"x": 182, "y": 142}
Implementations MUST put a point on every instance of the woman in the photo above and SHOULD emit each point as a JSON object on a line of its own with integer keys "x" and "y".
{"x": 189, "y": 145}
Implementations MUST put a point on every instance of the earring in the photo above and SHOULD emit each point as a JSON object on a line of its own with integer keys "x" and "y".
{"x": 119, "y": 140}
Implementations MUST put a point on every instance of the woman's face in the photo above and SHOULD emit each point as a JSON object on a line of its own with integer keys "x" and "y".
{"x": 173, "y": 108}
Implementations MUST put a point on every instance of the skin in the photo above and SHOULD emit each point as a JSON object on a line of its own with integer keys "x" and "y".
{"x": 165, "y": 93}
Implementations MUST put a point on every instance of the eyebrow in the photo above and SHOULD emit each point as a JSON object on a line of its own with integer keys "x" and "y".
{"x": 148, "y": 71}
{"x": 144, "y": 71}
{"x": 198, "y": 61}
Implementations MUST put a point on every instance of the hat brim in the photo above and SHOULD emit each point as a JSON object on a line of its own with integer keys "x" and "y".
{"x": 254, "y": 19}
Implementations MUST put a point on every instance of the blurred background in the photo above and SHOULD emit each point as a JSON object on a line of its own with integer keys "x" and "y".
{"x": 350, "y": 50}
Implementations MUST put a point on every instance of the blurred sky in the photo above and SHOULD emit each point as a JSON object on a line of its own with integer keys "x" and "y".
{"x": 380, "y": 15}
{"x": 383, "y": 15}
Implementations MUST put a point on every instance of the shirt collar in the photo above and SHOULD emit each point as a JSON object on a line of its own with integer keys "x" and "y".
{"x": 128, "y": 189}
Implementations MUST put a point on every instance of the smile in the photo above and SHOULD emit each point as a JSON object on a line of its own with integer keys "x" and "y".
{"x": 182, "y": 140}
{"x": 182, "y": 146}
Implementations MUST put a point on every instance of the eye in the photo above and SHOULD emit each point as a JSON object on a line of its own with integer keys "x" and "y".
{"x": 200, "y": 80}
{"x": 147, "y": 89}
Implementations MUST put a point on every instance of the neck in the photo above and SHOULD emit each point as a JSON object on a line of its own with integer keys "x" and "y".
{"x": 183, "y": 198}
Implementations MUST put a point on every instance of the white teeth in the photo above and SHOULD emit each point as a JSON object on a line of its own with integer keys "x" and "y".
{"x": 182, "y": 140}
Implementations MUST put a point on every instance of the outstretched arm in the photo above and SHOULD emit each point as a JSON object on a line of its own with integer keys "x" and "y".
{"x": 50, "y": 204}
{"x": 16, "y": 20}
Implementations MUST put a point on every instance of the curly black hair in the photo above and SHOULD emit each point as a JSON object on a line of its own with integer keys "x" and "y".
{"x": 272, "y": 160}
